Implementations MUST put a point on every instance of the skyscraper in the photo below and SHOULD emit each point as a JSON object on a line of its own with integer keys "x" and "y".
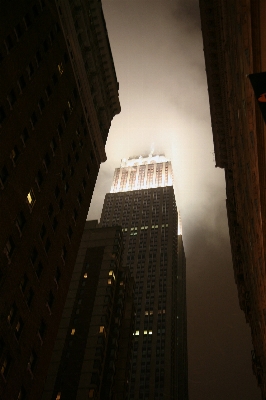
{"x": 94, "y": 343}
{"x": 142, "y": 201}
{"x": 58, "y": 95}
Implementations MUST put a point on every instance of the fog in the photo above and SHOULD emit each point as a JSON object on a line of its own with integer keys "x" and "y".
{"x": 158, "y": 55}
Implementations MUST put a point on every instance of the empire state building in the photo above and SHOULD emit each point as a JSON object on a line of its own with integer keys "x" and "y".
{"x": 142, "y": 201}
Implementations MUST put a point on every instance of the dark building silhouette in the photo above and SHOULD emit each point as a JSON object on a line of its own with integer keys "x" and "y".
{"x": 142, "y": 201}
{"x": 234, "y": 36}
{"x": 58, "y": 95}
{"x": 92, "y": 353}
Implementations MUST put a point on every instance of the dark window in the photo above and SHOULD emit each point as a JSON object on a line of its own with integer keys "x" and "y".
{"x": 43, "y": 231}
{"x": 66, "y": 187}
{"x": 46, "y": 45}
{"x": 92, "y": 156}
{"x": 9, "y": 43}
{"x": 19, "y": 328}
{"x": 32, "y": 361}
{"x": 75, "y": 92}
{"x": 39, "y": 178}
{"x": 35, "y": 10}
{"x": 23, "y": 283}
{"x": 60, "y": 130}
{"x": 47, "y": 161}
{"x": 63, "y": 174}
{"x": 84, "y": 183}
{"x": 21, "y": 220}
{"x": 57, "y": 191}
{"x": 38, "y": 57}
{"x": 51, "y": 36}
{"x": 42, "y": 329}
{"x": 18, "y": 31}
{"x": 30, "y": 70}
{"x": 4, "y": 175}
{"x": 5, "y": 365}
{"x": 65, "y": 57}
{"x": 77, "y": 156}
{"x": 50, "y": 210}
{"x": 65, "y": 116}
{"x": 57, "y": 275}
{"x": 2, "y": 114}
{"x": 12, "y": 314}
{"x": 64, "y": 253}
{"x": 41, "y": 104}
{"x": 27, "y": 21}
{"x": 47, "y": 245}
{"x": 33, "y": 119}
{"x": 29, "y": 297}
{"x": 70, "y": 232}
{"x": 53, "y": 145}
{"x": 79, "y": 198}
{"x": 48, "y": 91}
{"x": 55, "y": 79}
{"x": 61, "y": 204}
{"x": 10, "y": 247}
{"x": 14, "y": 154}
{"x": 39, "y": 269}
{"x": 12, "y": 97}
{"x": 75, "y": 214}
{"x": 24, "y": 136}
{"x": 22, "y": 394}
{"x": 34, "y": 255}
{"x": 88, "y": 169}
{"x": 50, "y": 301}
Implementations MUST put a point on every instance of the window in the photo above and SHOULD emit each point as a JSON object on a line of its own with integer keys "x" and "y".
{"x": 19, "y": 328}
{"x": 39, "y": 269}
{"x": 14, "y": 154}
{"x": 29, "y": 297}
{"x": 42, "y": 329}
{"x": 38, "y": 57}
{"x": 24, "y": 136}
{"x": 27, "y": 21}
{"x": 20, "y": 221}
{"x": 50, "y": 301}
{"x": 46, "y": 45}
{"x": 30, "y": 70}
{"x": 73, "y": 331}
{"x": 57, "y": 275}
{"x": 9, "y": 247}
{"x": 12, "y": 314}
{"x": 33, "y": 119}
{"x": 8, "y": 43}
{"x": 69, "y": 232}
{"x": 60, "y": 130}
{"x": 11, "y": 98}
{"x": 32, "y": 361}
{"x": 64, "y": 253}
{"x": 41, "y": 104}
{"x": 48, "y": 91}
{"x": 5, "y": 366}
{"x": 31, "y": 199}
{"x": 54, "y": 223}
{"x": 55, "y": 79}
{"x": 46, "y": 161}
{"x": 3, "y": 175}
{"x": 47, "y": 245}
{"x": 53, "y": 145}
{"x": 22, "y": 394}
{"x": 60, "y": 68}
{"x": 2, "y": 114}
{"x": 18, "y": 31}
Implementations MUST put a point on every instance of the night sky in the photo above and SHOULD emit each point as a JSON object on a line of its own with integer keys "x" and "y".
{"x": 158, "y": 55}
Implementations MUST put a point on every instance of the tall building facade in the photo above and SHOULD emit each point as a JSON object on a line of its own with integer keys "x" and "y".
{"x": 58, "y": 95}
{"x": 234, "y": 40}
{"x": 142, "y": 201}
{"x": 92, "y": 353}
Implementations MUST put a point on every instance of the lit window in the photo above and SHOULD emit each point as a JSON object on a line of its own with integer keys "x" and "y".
{"x": 109, "y": 281}
{"x": 101, "y": 330}
{"x": 111, "y": 273}
{"x": 60, "y": 68}
{"x": 58, "y": 396}
{"x": 85, "y": 275}
{"x": 137, "y": 333}
{"x": 31, "y": 198}
{"x": 145, "y": 332}
{"x": 73, "y": 331}
{"x": 150, "y": 332}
